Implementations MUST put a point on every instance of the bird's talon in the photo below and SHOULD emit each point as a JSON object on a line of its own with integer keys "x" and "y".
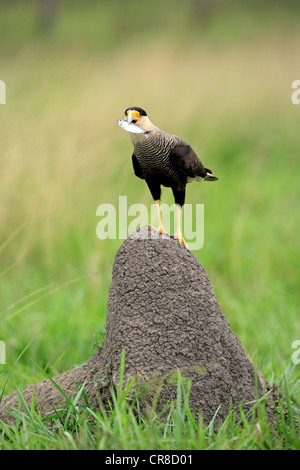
{"x": 180, "y": 239}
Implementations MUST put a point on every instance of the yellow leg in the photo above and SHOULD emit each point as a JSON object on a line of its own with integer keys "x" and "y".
{"x": 160, "y": 225}
{"x": 178, "y": 235}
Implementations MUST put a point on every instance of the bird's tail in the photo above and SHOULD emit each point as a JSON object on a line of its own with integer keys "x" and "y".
{"x": 209, "y": 176}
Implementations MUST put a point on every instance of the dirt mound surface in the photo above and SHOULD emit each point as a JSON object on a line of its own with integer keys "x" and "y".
{"x": 162, "y": 310}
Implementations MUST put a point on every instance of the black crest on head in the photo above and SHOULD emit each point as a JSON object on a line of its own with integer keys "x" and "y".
{"x": 136, "y": 108}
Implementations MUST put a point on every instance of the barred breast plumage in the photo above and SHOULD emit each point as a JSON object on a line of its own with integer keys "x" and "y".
{"x": 153, "y": 155}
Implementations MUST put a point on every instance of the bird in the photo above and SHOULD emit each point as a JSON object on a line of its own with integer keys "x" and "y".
{"x": 163, "y": 159}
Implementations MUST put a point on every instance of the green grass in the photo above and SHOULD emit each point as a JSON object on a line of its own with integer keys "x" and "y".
{"x": 121, "y": 425}
{"x": 226, "y": 88}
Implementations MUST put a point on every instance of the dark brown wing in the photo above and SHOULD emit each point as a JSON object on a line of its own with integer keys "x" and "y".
{"x": 136, "y": 167}
{"x": 185, "y": 159}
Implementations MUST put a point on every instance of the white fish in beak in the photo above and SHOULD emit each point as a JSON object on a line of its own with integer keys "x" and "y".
{"x": 131, "y": 127}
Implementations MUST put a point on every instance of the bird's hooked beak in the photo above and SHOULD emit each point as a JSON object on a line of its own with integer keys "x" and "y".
{"x": 133, "y": 116}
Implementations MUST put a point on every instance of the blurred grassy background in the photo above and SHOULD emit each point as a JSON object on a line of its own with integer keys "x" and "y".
{"x": 217, "y": 73}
